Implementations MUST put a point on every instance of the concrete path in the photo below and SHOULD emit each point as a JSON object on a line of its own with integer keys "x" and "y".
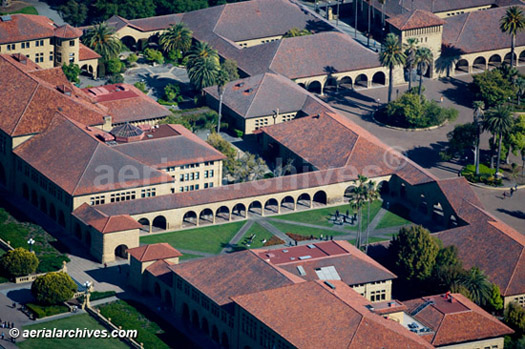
{"x": 44, "y": 10}
{"x": 237, "y": 237}
{"x": 266, "y": 225}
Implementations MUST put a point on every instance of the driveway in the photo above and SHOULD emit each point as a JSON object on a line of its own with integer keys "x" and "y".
{"x": 44, "y": 10}
{"x": 423, "y": 147}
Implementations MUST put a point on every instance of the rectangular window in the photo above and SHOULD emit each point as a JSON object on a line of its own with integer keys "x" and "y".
{"x": 59, "y": 57}
{"x": 146, "y": 193}
{"x": 206, "y": 174}
{"x": 196, "y": 187}
{"x": 11, "y": 47}
{"x": 211, "y": 184}
{"x": 71, "y": 57}
{"x": 71, "y": 43}
{"x": 196, "y": 175}
{"x": 205, "y": 185}
{"x": 51, "y": 57}
{"x": 211, "y": 173}
{"x": 182, "y": 178}
{"x": 186, "y": 176}
{"x": 181, "y": 189}
{"x": 97, "y": 200}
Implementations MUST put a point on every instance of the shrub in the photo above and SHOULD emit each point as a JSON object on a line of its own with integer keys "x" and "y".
{"x": 141, "y": 86}
{"x": 116, "y": 79}
{"x": 18, "y": 262}
{"x": 154, "y": 55}
{"x": 172, "y": 93}
{"x": 114, "y": 65}
{"x": 132, "y": 58}
{"x": 42, "y": 311}
{"x": 71, "y": 71}
{"x": 101, "y": 295}
{"x": 486, "y": 175}
{"x": 238, "y": 133}
{"x": 53, "y": 288}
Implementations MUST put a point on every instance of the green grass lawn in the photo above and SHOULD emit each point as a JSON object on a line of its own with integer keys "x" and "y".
{"x": 152, "y": 330}
{"x": 29, "y": 10}
{"x": 324, "y": 216}
{"x": 78, "y": 321}
{"x": 304, "y": 231}
{"x": 210, "y": 239}
{"x": 260, "y": 235}
{"x": 186, "y": 256}
{"x": 391, "y": 219}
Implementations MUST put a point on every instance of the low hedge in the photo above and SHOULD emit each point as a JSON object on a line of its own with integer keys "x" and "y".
{"x": 41, "y": 311}
{"x": 486, "y": 175}
{"x": 101, "y": 295}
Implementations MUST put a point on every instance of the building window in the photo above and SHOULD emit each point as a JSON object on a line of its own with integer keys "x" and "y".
{"x": 124, "y": 196}
{"x": 211, "y": 173}
{"x": 205, "y": 185}
{"x": 146, "y": 193}
{"x": 195, "y": 295}
{"x": 97, "y": 200}
{"x": 206, "y": 174}
{"x": 196, "y": 187}
{"x": 71, "y": 43}
{"x": 26, "y": 45}
{"x": 71, "y": 57}
{"x": 196, "y": 175}
{"x": 179, "y": 283}
{"x": 11, "y": 47}
{"x": 59, "y": 57}
{"x": 51, "y": 57}
{"x": 249, "y": 326}
{"x": 39, "y": 43}
{"x": 211, "y": 184}
{"x": 39, "y": 57}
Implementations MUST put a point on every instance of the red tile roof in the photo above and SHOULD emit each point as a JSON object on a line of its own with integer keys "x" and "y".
{"x": 456, "y": 322}
{"x": 225, "y": 276}
{"x": 161, "y": 270}
{"x": 85, "y": 53}
{"x": 29, "y": 103}
{"x": 78, "y": 168}
{"x": 67, "y": 32}
{"x": 23, "y": 27}
{"x": 415, "y": 19}
{"x": 312, "y": 315}
{"x": 89, "y": 215}
{"x": 53, "y": 76}
{"x": 148, "y": 253}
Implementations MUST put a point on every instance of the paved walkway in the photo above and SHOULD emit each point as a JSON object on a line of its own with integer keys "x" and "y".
{"x": 44, "y": 10}
{"x": 237, "y": 237}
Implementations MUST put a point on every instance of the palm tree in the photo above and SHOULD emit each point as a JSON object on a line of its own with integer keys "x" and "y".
{"x": 103, "y": 40}
{"x": 203, "y": 65}
{"x": 477, "y": 285}
{"x": 294, "y": 32}
{"x": 178, "y": 37}
{"x": 512, "y": 23}
{"x": 479, "y": 112}
{"x": 201, "y": 50}
{"x": 357, "y": 202}
{"x": 391, "y": 56}
{"x": 368, "y": 34}
{"x": 499, "y": 122}
{"x": 410, "y": 53}
{"x": 372, "y": 194}
{"x": 222, "y": 80}
{"x": 424, "y": 59}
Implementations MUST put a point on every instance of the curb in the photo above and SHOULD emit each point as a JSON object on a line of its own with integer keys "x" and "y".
{"x": 494, "y": 188}
{"x": 431, "y": 128}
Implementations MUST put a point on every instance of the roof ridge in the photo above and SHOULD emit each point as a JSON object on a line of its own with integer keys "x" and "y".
{"x": 464, "y": 25}
{"x": 514, "y": 271}
{"x": 255, "y": 94}
{"x": 87, "y": 165}
{"x": 219, "y": 19}
{"x": 26, "y": 107}
{"x": 436, "y": 330}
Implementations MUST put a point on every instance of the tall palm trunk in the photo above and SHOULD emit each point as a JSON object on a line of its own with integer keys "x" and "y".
{"x": 359, "y": 216}
{"x": 355, "y": 23}
{"x": 499, "y": 153}
{"x": 512, "y": 45}
{"x": 367, "y": 226}
{"x": 410, "y": 77}
{"x": 382, "y": 18}
{"x": 476, "y": 150}
{"x": 420, "y": 84}
{"x": 220, "y": 113}
{"x": 369, "y": 15}
{"x": 390, "y": 78}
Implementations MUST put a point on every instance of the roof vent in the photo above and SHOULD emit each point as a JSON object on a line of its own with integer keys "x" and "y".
{"x": 240, "y": 84}
{"x": 316, "y": 116}
{"x": 248, "y": 91}
{"x": 301, "y": 270}
{"x": 329, "y": 284}
{"x": 5, "y": 18}
{"x": 311, "y": 246}
{"x": 285, "y": 251}
{"x": 304, "y": 257}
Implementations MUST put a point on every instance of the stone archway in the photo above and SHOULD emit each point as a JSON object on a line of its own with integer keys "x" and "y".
{"x": 271, "y": 206}
{"x": 346, "y": 82}
{"x": 222, "y": 214}
{"x": 167, "y": 298}
{"x": 379, "y": 79}
{"x": 25, "y": 191}
{"x": 189, "y": 219}
{"x": 495, "y": 61}
{"x": 320, "y": 198}
{"x": 287, "y": 204}
{"x": 349, "y": 192}
{"x": 225, "y": 343}
{"x": 78, "y": 231}
{"x": 145, "y": 224}
{"x": 160, "y": 223}
{"x": 315, "y": 87}
{"x": 61, "y": 219}
{"x": 215, "y": 334}
{"x": 361, "y": 81}
{"x": 304, "y": 200}
{"x": 330, "y": 85}
{"x": 255, "y": 207}
{"x": 480, "y": 63}
{"x": 156, "y": 289}
{"x": 43, "y": 204}
{"x": 34, "y": 198}
{"x": 239, "y": 211}
{"x": 121, "y": 251}
{"x": 52, "y": 212}
{"x": 195, "y": 319}
{"x": 506, "y": 59}
{"x": 462, "y": 66}
{"x": 185, "y": 312}
{"x": 205, "y": 326}
{"x": 206, "y": 217}
{"x": 130, "y": 42}
{"x": 87, "y": 69}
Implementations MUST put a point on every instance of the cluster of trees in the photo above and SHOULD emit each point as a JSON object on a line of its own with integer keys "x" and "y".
{"x": 363, "y": 195}
{"x": 424, "y": 266}
{"x": 82, "y": 12}
{"x": 194, "y": 120}
{"x": 248, "y": 167}
{"x": 414, "y": 111}
{"x": 18, "y": 262}
{"x": 514, "y": 317}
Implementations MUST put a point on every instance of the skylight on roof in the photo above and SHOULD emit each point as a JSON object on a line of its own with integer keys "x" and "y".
{"x": 327, "y": 273}
{"x": 305, "y": 257}
{"x": 301, "y": 270}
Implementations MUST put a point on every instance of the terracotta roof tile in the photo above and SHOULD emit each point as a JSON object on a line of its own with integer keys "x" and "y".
{"x": 341, "y": 318}
{"x": 415, "y": 19}
{"x": 89, "y": 215}
{"x": 153, "y": 252}
{"x": 456, "y": 322}
{"x": 67, "y": 32}
{"x": 23, "y": 27}
{"x": 85, "y": 53}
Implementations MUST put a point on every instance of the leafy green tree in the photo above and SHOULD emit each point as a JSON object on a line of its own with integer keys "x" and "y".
{"x": 499, "y": 122}
{"x": 477, "y": 284}
{"x": 520, "y": 88}
{"x": 512, "y": 23}
{"x": 71, "y": 71}
{"x": 479, "y": 113}
{"x": 153, "y": 55}
{"x": 18, "y": 262}
{"x": 53, "y": 288}
{"x": 495, "y": 301}
{"x": 414, "y": 253}
{"x": 249, "y": 167}
{"x": 294, "y": 32}
{"x": 517, "y": 137}
{"x": 201, "y": 50}
{"x": 447, "y": 270}
{"x": 73, "y": 12}
{"x": 116, "y": 79}
{"x": 141, "y": 86}
{"x": 391, "y": 56}
{"x": 230, "y": 67}
{"x": 222, "y": 80}
{"x": 103, "y": 40}
{"x": 411, "y": 61}
{"x": 514, "y": 317}
{"x": 424, "y": 59}
{"x": 129, "y": 9}
{"x": 409, "y": 107}
{"x": 179, "y": 6}
{"x": 219, "y": 143}
{"x": 461, "y": 140}
{"x": 492, "y": 88}
{"x": 171, "y": 92}
{"x": 114, "y": 65}
{"x": 177, "y": 38}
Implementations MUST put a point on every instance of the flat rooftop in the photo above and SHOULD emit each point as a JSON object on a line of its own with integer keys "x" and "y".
{"x": 303, "y": 253}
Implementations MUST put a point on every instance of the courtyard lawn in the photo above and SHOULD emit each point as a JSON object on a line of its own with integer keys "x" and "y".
{"x": 153, "y": 332}
{"x": 210, "y": 239}
{"x": 187, "y": 256}
{"x": 260, "y": 235}
{"x": 78, "y": 321}
{"x": 304, "y": 231}
{"x": 324, "y": 216}
{"x": 29, "y": 10}
{"x": 391, "y": 219}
